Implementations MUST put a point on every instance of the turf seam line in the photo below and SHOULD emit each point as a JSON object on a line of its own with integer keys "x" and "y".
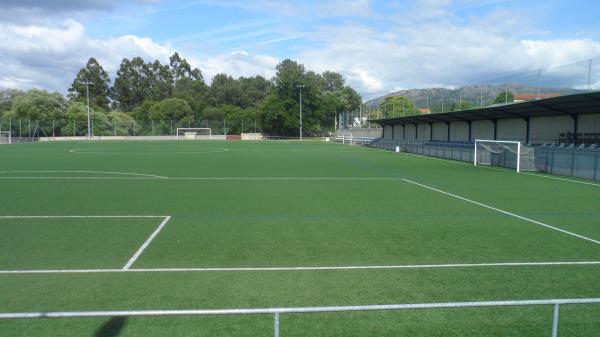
{"x": 250, "y": 269}
{"x": 146, "y": 243}
{"x": 505, "y": 212}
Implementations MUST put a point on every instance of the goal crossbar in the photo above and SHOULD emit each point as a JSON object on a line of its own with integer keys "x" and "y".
{"x": 520, "y": 152}
{"x": 194, "y": 133}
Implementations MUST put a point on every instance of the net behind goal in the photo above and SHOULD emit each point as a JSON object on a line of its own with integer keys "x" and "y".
{"x": 504, "y": 153}
{"x": 5, "y": 137}
{"x": 194, "y": 133}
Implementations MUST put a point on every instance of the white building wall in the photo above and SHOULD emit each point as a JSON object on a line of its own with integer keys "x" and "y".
{"x": 410, "y": 132}
{"x": 589, "y": 123}
{"x": 482, "y": 130}
{"x": 440, "y": 131}
{"x": 387, "y": 132}
{"x": 459, "y": 131}
{"x": 512, "y": 129}
{"x": 547, "y": 129}
{"x": 424, "y": 132}
{"x": 398, "y": 135}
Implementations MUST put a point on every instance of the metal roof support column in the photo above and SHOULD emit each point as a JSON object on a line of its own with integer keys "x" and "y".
{"x": 430, "y": 131}
{"x": 575, "y": 126}
{"x": 470, "y": 130}
{"x": 448, "y": 133}
{"x": 495, "y": 121}
{"x": 527, "y": 130}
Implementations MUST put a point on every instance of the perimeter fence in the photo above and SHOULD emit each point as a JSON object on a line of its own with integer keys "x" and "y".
{"x": 23, "y": 130}
{"x": 573, "y": 161}
{"x": 277, "y": 312}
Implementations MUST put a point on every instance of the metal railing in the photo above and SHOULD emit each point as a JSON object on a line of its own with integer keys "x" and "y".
{"x": 276, "y": 312}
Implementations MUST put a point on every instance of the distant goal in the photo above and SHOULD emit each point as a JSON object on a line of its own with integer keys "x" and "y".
{"x": 194, "y": 134}
{"x": 5, "y": 137}
{"x": 504, "y": 153}
{"x": 347, "y": 138}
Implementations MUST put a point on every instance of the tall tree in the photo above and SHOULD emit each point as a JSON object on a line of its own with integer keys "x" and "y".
{"x": 99, "y": 85}
{"x": 225, "y": 89}
{"x": 40, "y": 105}
{"x": 188, "y": 83}
{"x": 396, "y": 106}
{"x": 131, "y": 85}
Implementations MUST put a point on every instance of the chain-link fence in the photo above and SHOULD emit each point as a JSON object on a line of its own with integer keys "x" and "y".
{"x": 29, "y": 130}
{"x": 573, "y": 161}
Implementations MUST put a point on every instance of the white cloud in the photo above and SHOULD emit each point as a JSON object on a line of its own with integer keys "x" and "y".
{"x": 236, "y": 64}
{"x": 432, "y": 54}
{"x": 436, "y": 49}
{"x": 49, "y": 56}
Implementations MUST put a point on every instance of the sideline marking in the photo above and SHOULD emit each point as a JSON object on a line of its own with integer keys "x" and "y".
{"x": 146, "y": 243}
{"x": 77, "y": 216}
{"x": 504, "y": 212}
{"x": 251, "y": 269}
{"x": 200, "y": 178}
{"x": 101, "y": 172}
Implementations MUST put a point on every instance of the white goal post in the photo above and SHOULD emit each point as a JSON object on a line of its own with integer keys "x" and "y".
{"x": 194, "y": 133}
{"x": 5, "y": 137}
{"x": 504, "y": 153}
{"x": 347, "y": 138}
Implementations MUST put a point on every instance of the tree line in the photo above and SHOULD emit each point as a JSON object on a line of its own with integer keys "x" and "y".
{"x": 177, "y": 92}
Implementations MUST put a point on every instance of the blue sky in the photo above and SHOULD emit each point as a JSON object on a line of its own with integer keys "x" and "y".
{"x": 379, "y": 46}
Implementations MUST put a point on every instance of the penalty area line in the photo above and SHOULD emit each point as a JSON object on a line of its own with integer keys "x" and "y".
{"x": 503, "y": 212}
{"x": 146, "y": 243}
{"x": 314, "y": 268}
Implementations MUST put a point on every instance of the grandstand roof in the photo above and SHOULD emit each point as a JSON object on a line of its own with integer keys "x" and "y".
{"x": 584, "y": 103}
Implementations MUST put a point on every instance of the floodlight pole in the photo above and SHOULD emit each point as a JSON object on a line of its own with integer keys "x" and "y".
{"x": 300, "y": 86}
{"x": 87, "y": 94}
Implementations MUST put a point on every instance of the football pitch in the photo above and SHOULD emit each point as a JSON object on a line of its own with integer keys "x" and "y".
{"x": 88, "y": 226}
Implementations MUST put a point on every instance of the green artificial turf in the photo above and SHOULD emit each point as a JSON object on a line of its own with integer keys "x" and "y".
{"x": 288, "y": 204}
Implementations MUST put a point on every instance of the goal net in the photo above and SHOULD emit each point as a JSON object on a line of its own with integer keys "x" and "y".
{"x": 504, "y": 153}
{"x": 5, "y": 137}
{"x": 347, "y": 138}
{"x": 194, "y": 133}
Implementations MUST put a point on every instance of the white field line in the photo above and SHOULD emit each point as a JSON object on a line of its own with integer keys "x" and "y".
{"x": 201, "y": 178}
{"x": 558, "y": 178}
{"x": 314, "y": 268}
{"x": 504, "y": 212}
{"x": 77, "y": 216}
{"x": 100, "y": 172}
{"x": 146, "y": 243}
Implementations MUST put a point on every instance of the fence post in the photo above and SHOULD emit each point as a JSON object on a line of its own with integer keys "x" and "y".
{"x": 134, "y": 128}
{"x": 152, "y": 121}
{"x": 276, "y": 325}
{"x": 171, "y": 130}
{"x": 596, "y": 164}
{"x": 53, "y": 135}
{"x": 115, "y": 126}
{"x": 555, "y": 321}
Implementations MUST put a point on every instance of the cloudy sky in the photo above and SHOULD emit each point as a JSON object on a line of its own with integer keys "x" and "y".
{"x": 379, "y": 46}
